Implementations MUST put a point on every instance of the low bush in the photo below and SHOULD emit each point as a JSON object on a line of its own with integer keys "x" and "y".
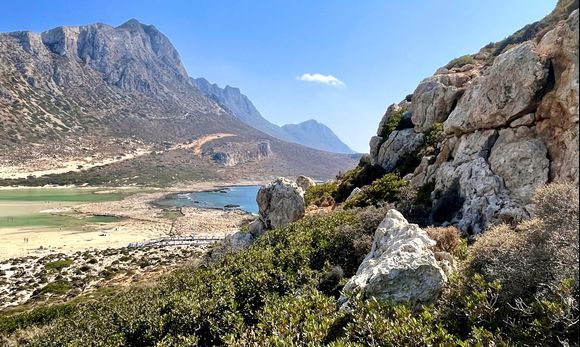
{"x": 447, "y": 238}
{"x": 392, "y": 123}
{"x": 384, "y": 189}
{"x": 58, "y": 264}
{"x": 363, "y": 175}
{"x": 537, "y": 253}
{"x": 461, "y": 61}
{"x": 320, "y": 194}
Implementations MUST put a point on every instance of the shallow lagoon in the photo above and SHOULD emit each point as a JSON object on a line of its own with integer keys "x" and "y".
{"x": 28, "y": 207}
{"x": 242, "y": 197}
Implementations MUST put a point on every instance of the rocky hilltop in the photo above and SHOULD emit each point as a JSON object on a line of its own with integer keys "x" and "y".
{"x": 309, "y": 133}
{"x": 316, "y": 135}
{"x": 85, "y": 96}
{"x": 487, "y": 129}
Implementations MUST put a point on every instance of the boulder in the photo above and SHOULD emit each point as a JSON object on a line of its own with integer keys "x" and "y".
{"x": 435, "y": 97}
{"x": 257, "y": 227}
{"x": 399, "y": 144}
{"x": 354, "y": 192}
{"x": 502, "y": 94}
{"x": 305, "y": 182}
{"x": 232, "y": 243}
{"x": 401, "y": 267}
{"x": 280, "y": 203}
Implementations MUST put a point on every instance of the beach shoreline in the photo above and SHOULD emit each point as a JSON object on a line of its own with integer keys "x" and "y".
{"x": 140, "y": 220}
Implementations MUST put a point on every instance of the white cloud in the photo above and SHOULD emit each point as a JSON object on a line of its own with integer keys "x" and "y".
{"x": 319, "y": 78}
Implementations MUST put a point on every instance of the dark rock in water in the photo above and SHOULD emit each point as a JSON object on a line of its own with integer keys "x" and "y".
{"x": 232, "y": 206}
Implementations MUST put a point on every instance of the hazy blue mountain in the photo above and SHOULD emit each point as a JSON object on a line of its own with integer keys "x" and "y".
{"x": 309, "y": 133}
{"x": 316, "y": 135}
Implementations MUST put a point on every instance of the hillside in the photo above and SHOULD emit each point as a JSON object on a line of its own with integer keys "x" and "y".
{"x": 310, "y": 133}
{"x": 461, "y": 228}
{"x": 485, "y": 131}
{"x": 316, "y": 135}
{"x": 92, "y": 95}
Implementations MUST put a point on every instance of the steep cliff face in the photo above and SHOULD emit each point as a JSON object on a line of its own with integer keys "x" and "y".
{"x": 82, "y": 94}
{"x": 309, "y": 133}
{"x": 488, "y": 129}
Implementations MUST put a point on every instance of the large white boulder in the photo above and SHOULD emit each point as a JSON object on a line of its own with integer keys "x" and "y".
{"x": 400, "y": 267}
{"x": 305, "y": 182}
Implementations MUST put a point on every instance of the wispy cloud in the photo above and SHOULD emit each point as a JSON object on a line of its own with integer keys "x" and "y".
{"x": 319, "y": 78}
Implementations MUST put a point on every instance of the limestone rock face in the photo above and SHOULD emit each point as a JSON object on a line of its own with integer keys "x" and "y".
{"x": 354, "y": 192}
{"x": 500, "y": 95}
{"x": 400, "y": 266}
{"x": 510, "y": 125}
{"x": 280, "y": 202}
{"x": 305, "y": 182}
{"x": 521, "y": 160}
{"x": 399, "y": 144}
{"x": 558, "y": 111}
{"x": 435, "y": 96}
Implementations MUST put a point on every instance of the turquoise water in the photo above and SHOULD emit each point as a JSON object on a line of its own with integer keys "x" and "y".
{"x": 244, "y": 197}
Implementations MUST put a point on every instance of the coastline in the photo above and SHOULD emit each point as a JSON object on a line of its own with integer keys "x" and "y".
{"x": 140, "y": 220}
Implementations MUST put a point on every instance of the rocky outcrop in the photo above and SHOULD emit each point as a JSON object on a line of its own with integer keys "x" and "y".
{"x": 510, "y": 125}
{"x": 280, "y": 203}
{"x": 399, "y": 144}
{"x": 400, "y": 266}
{"x": 436, "y": 96}
{"x": 505, "y": 92}
{"x": 232, "y": 243}
{"x": 305, "y": 182}
{"x": 232, "y": 154}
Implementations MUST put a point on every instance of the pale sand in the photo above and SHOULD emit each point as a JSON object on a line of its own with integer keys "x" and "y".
{"x": 143, "y": 222}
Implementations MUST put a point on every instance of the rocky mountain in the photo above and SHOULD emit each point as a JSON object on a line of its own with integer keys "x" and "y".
{"x": 98, "y": 93}
{"x": 316, "y": 135}
{"x": 486, "y": 130}
{"x": 309, "y": 133}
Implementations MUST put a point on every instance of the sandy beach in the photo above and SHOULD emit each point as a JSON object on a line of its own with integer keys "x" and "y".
{"x": 141, "y": 221}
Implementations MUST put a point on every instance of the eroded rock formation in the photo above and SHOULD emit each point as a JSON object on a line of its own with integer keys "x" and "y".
{"x": 504, "y": 125}
{"x": 401, "y": 266}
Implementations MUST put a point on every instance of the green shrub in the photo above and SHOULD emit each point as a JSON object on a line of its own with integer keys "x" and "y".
{"x": 384, "y": 189}
{"x": 434, "y": 135}
{"x": 59, "y": 264}
{"x": 317, "y": 194}
{"x": 461, "y": 61}
{"x": 364, "y": 174}
{"x": 392, "y": 123}
{"x": 56, "y": 287}
{"x": 38, "y": 316}
{"x": 302, "y": 320}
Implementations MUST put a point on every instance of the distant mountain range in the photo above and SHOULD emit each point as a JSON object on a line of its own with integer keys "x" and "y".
{"x": 309, "y": 133}
{"x": 73, "y": 96}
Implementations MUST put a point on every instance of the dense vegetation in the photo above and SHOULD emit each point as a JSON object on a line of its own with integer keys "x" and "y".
{"x": 282, "y": 291}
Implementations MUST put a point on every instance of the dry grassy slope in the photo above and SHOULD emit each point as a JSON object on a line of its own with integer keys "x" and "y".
{"x": 98, "y": 91}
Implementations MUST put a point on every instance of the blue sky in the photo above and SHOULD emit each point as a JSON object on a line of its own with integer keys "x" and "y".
{"x": 378, "y": 51}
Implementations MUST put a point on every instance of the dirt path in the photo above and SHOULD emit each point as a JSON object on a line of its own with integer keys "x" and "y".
{"x": 197, "y": 144}
{"x": 77, "y": 165}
